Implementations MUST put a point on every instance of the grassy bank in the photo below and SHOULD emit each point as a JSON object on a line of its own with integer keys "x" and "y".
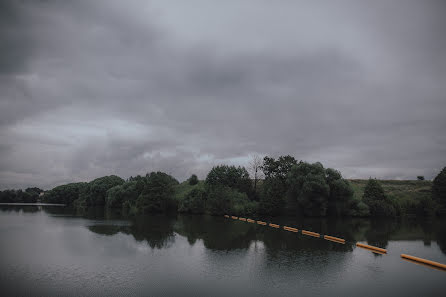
{"x": 398, "y": 189}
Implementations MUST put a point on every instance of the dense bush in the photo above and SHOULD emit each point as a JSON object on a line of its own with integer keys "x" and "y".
{"x": 193, "y": 202}
{"x": 193, "y": 180}
{"x": 120, "y": 194}
{"x": 18, "y": 196}
{"x": 230, "y": 176}
{"x": 273, "y": 196}
{"x": 225, "y": 200}
{"x": 439, "y": 188}
{"x": 157, "y": 195}
{"x": 93, "y": 194}
{"x": 319, "y": 191}
{"x": 377, "y": 201}
{"x": 219, "y": 199}
{"x": 279, "y": 168}
{"x": 358, "y": 208}
{"x": 65, "y": 194}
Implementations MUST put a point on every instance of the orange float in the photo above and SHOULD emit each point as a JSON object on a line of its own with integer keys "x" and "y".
{"x": 372, "y": 248}
{"x": 309, "y": 233}
{"x": 334, "y": 239}
{"x": 291, "y": 229}
{"x": 424, "y": 261}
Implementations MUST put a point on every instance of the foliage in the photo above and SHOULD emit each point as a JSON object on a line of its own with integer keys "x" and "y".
{"x": 379, "y": 204}
{"x": 181, "y": 190}
{"x": 93, "y": 194}
{"x": 312, "y": 194}
{"x": 229, "y": 176}
{"x": 120, "y": 194}
{"x": 17, "y": 196}
{"x": 341, "y": 195}
{"x": 194, "y": 202}
{"x": 157, "y": 195}
{"x": 225, "y": 200}
{"x": 358, "y": 208}
{"x": 278, "y": 168}
{"x": 219, "y": 199}
{"x": 420, "y": 177}
{"x": 64, "y": 194}
{"x": 272, "y": 199}
{"x": 193, "y": 180}
{"x": 34, "y": 192}
{"x": 319, "y": 191}
{"x": 439, "y": 188}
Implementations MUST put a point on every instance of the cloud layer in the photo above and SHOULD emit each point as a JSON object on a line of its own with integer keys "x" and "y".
{"x": 91, "y": 88}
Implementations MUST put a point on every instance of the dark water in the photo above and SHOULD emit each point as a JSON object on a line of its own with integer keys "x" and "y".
{"x": 50, "y": 251}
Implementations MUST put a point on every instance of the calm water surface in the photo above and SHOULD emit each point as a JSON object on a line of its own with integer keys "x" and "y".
{"x": 51, "y": 251}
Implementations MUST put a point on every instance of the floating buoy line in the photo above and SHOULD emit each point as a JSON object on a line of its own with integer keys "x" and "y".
{"x": 374, "y": 249}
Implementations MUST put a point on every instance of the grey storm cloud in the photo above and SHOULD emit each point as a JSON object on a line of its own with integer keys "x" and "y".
{"x": 91, "y": 88}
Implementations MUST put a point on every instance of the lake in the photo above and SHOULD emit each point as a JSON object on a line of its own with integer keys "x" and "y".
{"x": 54, "y": 251}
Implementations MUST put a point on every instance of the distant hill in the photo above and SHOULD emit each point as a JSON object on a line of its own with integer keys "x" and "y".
{"x": 400, "y": 190}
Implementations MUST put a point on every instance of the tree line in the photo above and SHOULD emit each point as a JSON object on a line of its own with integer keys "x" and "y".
{"x": 30, "y": 195}
{"x": 288, "y": 187}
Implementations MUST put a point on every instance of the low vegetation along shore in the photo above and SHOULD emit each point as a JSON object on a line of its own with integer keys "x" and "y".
{"x": 287, "y": 187}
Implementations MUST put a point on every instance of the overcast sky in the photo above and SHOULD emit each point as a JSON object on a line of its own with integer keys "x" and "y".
{"x": 93, "y": 88}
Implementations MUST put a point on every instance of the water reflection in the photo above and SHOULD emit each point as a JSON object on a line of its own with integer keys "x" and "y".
{"x": 218, "y": 233}
{"x": 157, "y": 231}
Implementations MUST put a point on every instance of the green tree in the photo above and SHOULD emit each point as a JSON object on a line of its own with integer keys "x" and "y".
{"x": 230, "y": 176}
{"x": 358, "y": 208}
{"x": 193, "y": 202}
{"x": 193, "y": 180}
{"x": 319, "y": 191}
{"x": 341, "y": 193}
{"x": 17, "y": 196}
{"x": 120, "y": 194}
{"x": 278, "y": 168}
{"x": 272, "y": 199}
{"x": 157, "y": 194}
{"x": 439, "y": 188}
{"x": 64, "y": 194}
{"x": 377, "y": 201}
{"x": 219, "y": 199}
{"x": 273, "y": 196}
{"x": 307, "y": 184}
{"x": 95, "y": 191}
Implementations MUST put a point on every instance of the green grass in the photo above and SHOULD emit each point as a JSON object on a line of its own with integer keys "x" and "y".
{"x": 401, "y": 190}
